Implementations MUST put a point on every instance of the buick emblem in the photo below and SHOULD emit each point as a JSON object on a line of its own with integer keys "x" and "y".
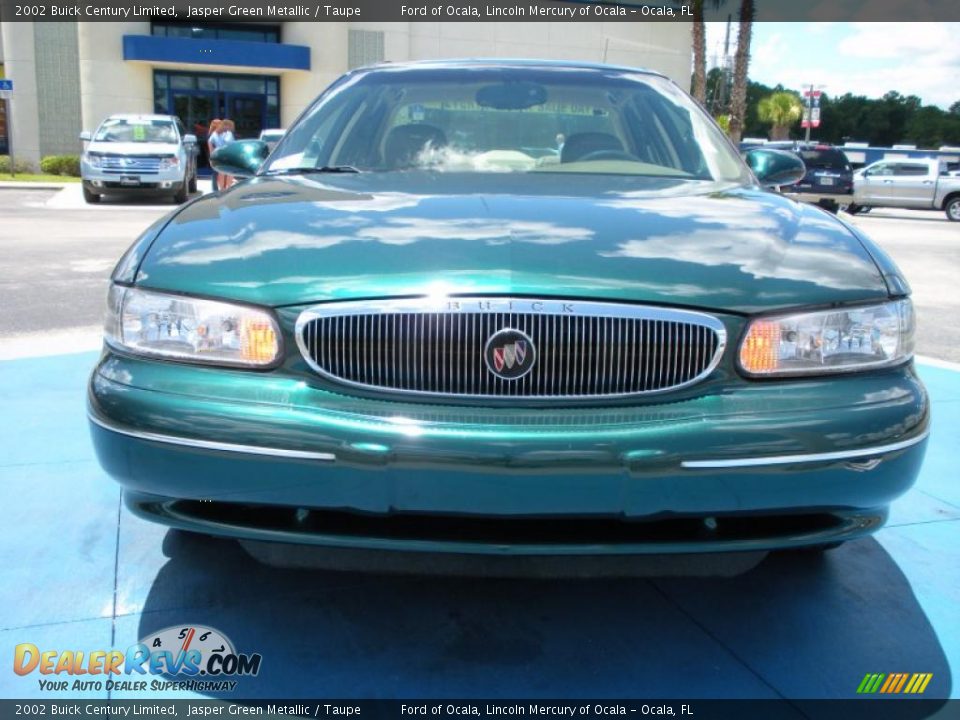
{"x": 509, "y": 354}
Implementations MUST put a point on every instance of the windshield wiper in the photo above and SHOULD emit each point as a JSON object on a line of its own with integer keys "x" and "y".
{"x": 310, "y": 170}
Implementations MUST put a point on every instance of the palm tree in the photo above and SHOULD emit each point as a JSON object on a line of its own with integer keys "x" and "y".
{"x": 698, "y": 29}
{"x": 741, "y": 61}
{"x": 781, "y": 110}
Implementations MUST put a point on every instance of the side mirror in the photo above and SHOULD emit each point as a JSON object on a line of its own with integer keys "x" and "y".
{"x": 775, "y": 167}
{"x": 240, "y": 159}
{"x": 189, "y": 139}
{"x": 86, "y": 136}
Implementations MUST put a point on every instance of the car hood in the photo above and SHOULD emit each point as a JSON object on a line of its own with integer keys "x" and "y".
{"x": 302, "y": 239}
{"x": 133, "y": 148}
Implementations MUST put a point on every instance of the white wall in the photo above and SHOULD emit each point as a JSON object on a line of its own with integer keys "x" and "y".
{"x": 328, "y": 60}
{"x": 109, "y": 85}
{"x": 662, "y": 46}
{"x": 19, "y": 64}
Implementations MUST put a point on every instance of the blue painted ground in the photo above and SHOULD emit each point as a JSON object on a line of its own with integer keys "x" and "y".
{"x": 79, "y": 572}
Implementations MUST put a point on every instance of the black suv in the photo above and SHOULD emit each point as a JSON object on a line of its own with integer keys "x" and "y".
{"x": 829, "y": 179}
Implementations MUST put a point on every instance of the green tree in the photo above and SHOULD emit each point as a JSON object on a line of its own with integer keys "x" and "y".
{"x": 698, "y": 30}
{"x": 781, "y": 109}
{"x": 741, "y": 63}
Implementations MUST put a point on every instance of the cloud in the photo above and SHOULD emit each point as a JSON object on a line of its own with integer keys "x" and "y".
{"x": 868, "y": 59}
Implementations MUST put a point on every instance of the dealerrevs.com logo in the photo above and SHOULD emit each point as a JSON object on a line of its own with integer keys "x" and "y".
{"x": 199, "y": 658}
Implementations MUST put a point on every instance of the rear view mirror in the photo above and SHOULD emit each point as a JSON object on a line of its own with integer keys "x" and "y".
{"x": 86, "y": 136}
{"x": 511, "y": 96}
{"x": 240, "y": 159}
{"x": 775, "y": 168}
{"x": 190, "y": 139}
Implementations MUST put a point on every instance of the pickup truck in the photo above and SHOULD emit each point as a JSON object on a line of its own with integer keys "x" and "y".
{"x": 913, "y": 184}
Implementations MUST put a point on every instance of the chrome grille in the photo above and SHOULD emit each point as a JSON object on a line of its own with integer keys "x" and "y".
{"x": 125, "y": 164}
{"x": 582, "y": 350}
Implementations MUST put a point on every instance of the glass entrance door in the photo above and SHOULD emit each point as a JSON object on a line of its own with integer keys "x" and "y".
{"x": 196, "y": 109}
{"x": 247, "y": 113}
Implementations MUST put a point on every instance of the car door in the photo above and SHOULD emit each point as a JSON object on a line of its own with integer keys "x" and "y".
{"x": 874, "y": 184}
{"x": 913, "y": 185}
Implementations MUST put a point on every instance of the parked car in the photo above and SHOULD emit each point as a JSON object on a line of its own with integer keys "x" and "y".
{"x": 272, "y": 136}
{"x": 139, "y": 155}
{"x": 829, "y": 178}
{"x": 383, "y": 343}
{"x": 913, "y": 184}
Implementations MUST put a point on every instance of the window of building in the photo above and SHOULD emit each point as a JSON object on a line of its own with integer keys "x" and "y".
{"x": 216, "y": 31}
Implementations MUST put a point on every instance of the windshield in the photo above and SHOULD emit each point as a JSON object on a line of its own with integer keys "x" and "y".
{"x": 136, "y": 130}
{"x": 483, "y": 119}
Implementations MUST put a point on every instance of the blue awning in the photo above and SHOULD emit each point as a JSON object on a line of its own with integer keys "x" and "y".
{"x": 239, "y": 53}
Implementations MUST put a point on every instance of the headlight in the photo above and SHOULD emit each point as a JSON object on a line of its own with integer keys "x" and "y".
{"x": 169, "y": 162}
{"x": 830, "y": 341}
{"x": 93, "y": 160}
{"x": 183, "y": 328}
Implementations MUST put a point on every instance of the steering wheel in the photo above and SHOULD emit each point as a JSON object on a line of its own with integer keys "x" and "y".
{"x": 606, "y": 155}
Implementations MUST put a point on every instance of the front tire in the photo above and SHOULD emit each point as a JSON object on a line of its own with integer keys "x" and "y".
{"x": 952, "y": 209}
{"x": 91, "y": 197}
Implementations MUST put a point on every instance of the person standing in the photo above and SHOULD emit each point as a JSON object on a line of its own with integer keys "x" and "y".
{"x": 213, "y": 142}
{"x": 226, "y": 137}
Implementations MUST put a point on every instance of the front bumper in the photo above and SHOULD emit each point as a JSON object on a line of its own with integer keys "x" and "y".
{"x": 263, "y": 457}
{"x": 99, "y": 181}
{"x": 818, "y": 195}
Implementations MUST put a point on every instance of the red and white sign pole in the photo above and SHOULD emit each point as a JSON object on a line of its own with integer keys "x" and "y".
{"x": 811, "y": 111}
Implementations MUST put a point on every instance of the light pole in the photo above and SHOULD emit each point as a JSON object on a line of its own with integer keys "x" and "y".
{"x": 811, "y": 109}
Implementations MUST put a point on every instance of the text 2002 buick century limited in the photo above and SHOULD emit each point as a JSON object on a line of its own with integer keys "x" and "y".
{"x": 484, "y": 309}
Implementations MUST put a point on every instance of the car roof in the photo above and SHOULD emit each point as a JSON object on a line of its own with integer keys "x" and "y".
{"x": 517, "y": 63}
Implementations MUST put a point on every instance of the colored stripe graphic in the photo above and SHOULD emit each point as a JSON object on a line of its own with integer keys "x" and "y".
{"x": 871, "y": 683}
{"x": 894, "y": 683}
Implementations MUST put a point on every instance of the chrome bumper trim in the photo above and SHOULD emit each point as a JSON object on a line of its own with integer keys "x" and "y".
{"x": 213, "y": 445}
{"x": 808, "y": 458}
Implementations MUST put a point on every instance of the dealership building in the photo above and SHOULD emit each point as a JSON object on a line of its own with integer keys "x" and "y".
{"x": 68, "y": 76}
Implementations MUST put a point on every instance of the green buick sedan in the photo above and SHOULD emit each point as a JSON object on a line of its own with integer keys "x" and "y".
{"x": 508, "y": 309}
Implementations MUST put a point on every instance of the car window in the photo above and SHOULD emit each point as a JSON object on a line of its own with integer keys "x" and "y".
{"x": 911, "y": 169}
{"x": 881, "y": 170}
{"x": 824, "y": 159}
{"x": 479, "y": 119}
{"x": 136, "y": 130}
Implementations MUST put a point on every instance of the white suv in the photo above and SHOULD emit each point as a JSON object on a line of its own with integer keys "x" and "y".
{"x": 139, "y": 154}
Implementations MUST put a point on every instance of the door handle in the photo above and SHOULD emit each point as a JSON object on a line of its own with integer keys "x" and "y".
{"x": 888, "y": 182}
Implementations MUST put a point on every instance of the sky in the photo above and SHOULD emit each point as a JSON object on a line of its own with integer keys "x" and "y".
{"x": 869, "y": 59}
